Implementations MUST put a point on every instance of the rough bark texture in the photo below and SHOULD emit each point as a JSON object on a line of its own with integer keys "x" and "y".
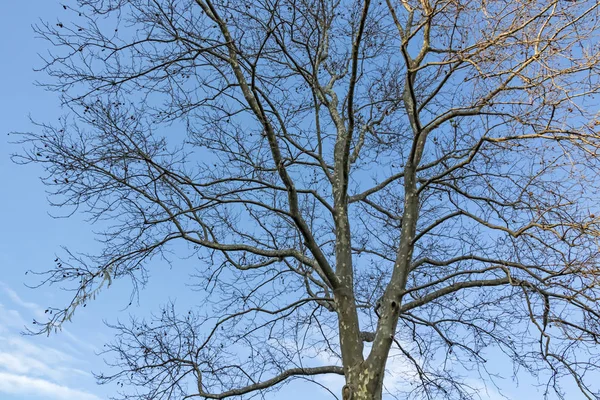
{"x": 359, "y": 180}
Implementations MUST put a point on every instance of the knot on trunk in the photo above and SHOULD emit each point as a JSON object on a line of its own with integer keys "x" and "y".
{"x": 347, "y": 392}
{"x": 367, "y": 336}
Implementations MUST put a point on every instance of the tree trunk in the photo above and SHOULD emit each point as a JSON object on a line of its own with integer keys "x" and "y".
{"x": 365, "y": 384}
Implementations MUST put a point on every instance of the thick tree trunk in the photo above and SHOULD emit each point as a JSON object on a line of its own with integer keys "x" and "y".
{"x": 364, "y": 384}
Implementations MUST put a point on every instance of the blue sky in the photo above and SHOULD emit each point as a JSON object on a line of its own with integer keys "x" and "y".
{"x": 58, "y": 367}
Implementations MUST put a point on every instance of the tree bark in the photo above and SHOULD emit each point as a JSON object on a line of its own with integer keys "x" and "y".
{"x": 366, "y": 383}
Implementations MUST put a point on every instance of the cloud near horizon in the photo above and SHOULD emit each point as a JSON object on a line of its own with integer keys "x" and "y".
{"x": 25, "y": 385}
{"x": 30, "y": 368}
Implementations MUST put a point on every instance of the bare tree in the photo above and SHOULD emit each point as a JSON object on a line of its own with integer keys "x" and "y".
{"x": 418, "y": 175}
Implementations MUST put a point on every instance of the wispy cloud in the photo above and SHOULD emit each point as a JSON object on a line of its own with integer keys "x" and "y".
{"x": 19, "y": 356}
{"x": 34, "y": 308}
{"x": 29, "y": 366}
{"x": 13, "y": 319}
{"x": 10, "y": 319}
{"x": 28, "y": 386}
